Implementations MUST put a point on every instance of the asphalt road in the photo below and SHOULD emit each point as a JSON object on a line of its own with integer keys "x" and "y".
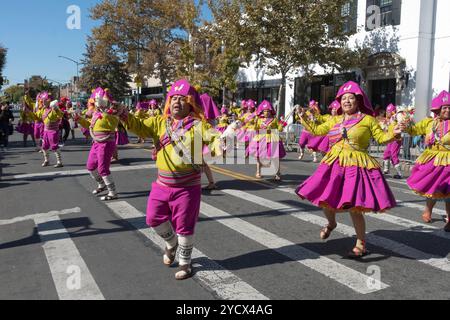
{"x": 254, "y": 239}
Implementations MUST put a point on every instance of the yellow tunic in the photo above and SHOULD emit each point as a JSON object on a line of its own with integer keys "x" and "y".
{"x": 354, "y": 150}
{"x": 250, "y": 125}
{"x": 154, "y": 113}
{"x": 223, "y": 121}
{"x": 54, "y": 116}
{"x": 26, "y": 116}
{"x": 270, "y": 135}
{"x": 108, "y": 123}
{"x": 142, "y": 114}
{"x": 171, "y": 166}
{"x": 439, "y": 151}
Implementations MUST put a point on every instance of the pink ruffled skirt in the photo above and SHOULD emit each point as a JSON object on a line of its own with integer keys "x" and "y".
{"x": 430, "y": 181}
{"x": 347, "y": 189}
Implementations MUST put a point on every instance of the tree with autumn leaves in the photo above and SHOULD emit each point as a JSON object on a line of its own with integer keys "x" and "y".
{"x": 167, "y": 39}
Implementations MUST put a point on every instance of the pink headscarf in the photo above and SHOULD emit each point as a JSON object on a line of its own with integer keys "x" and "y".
{"x": 443, "y": 99}
{"x": 352, "y": 87}
{"x": 265, "y": 105}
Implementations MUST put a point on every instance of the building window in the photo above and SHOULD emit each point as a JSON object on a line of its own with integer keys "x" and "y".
{"x": 386, "y": 13}
{"x": 349, "y": 14}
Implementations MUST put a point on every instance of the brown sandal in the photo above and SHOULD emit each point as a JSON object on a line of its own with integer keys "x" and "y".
{"x": 169, "y": 255}
{"x": 357, "y": 253}
{"x": 326, "y": 232}
{"x": 184, "y": 272}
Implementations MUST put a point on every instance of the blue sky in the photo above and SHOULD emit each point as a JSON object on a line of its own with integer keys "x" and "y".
{"x": 35, "y": 33}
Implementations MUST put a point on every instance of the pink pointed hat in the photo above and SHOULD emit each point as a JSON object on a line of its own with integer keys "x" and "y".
{"x": 251, "y": 104}
{"x": 209, "y": 107}
{"x": 44, "y": 96}
{"x": 312, "y": 103}
{"x": 183, "y": 88}
{"x": 335, "y": 105}
{"x": 102, "y": 97}
{"x": 265, "y": 105}
{"x": 352, "y": 87}
{"x": 391, "y": 108}
{"x": 153, "y": 103}
{"x": 142, "y": 105}
{"x": 443, "y": 99}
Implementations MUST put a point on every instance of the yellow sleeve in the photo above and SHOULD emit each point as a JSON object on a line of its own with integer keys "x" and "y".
{"x": 36, "y": 116}
{"x": 420, "y": 129}
{"x": 318, "y": 130}
{"x": 323, "y": 118}
{"x": 211, "y": 138}
{"x": 143, "y": 127}
{"x": 379, "y": 134}
{"x": 84, "y": 122}
{"x": 22, "y": 115}
{"x": 27, "y": 99}
{"x": 55, "y": 115}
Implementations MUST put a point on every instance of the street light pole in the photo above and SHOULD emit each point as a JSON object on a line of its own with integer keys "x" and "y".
{"x": 78, "y": 72}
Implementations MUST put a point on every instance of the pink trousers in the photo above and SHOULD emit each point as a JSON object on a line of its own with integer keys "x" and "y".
{"x": 180, "y": 206}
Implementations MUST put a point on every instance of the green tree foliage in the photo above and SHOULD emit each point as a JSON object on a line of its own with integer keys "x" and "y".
{"x": 103, "y": 67}
{"x": 287, "y": 35}
{"x": 14, "y": 94}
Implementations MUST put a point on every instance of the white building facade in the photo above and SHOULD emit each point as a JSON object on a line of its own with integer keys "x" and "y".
{"x": 409, "y": 65}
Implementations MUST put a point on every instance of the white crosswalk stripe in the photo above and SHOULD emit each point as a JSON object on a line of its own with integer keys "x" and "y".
{"x": 223, "y": 283}
{"x": 72, "y": 278}
{"x": 399, "y": 248}
{"x": 68, "y": 173}
{"x": 338, "y": 272}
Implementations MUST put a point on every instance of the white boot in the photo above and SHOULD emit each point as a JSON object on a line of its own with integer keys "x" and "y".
{"x": 58, "y": 159}
{"x": 101, "y": 186}
{"x": 46, "y": 162}
{"x": 399, "y": 174}
{"x": 302, "y": 154}
{"x": 386, "y": 165}
{"x": 112, "y": 193}
{"x": 186, "y": 244}
{"x": 315, "y": 160}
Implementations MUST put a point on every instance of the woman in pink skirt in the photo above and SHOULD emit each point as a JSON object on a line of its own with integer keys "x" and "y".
{"x": 349, "y": 179}
{"x": 306, "y": 138}
{"x": 335, "y": 110}
{"x": 267, "y": 146}
{"x": 430, "y": 177}
{"x": 393, "y": 149}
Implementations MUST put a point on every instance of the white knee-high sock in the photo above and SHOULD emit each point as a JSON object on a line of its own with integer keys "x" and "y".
{"x": 108, "y": 180}
{"x": 58, "y": 156}
{"x": 94, "y": 175}
{"x": 166, "y": 232}
{"x": 46, "y": 154}
{"x": 186, "y": 247}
